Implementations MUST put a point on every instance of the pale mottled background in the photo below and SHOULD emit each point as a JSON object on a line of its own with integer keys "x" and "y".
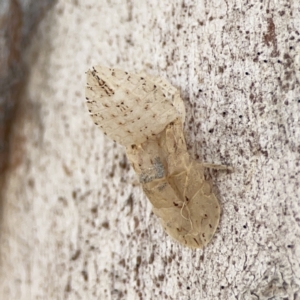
{"x": 75, "y": 224}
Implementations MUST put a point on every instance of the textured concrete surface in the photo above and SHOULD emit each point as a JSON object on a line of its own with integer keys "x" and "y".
{"x": 18, "y": 19}
{"x": 77, "y": 226}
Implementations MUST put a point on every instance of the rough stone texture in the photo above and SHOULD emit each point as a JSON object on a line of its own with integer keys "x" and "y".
{"x": 18, "y": 18}
{"x": 77, "y": 226}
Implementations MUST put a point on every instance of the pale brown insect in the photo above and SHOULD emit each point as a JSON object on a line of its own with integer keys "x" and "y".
{"x": 146, "y": 114}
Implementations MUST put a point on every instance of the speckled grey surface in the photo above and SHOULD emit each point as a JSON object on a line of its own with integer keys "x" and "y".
{"x": 78, "y": 226}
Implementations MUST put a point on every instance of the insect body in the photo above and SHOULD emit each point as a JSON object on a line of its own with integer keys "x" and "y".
{"x": 146, "y": 114}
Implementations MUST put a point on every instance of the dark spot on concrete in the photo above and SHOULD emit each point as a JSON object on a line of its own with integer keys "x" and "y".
{"x": 94, "y": 209}
{"x": 122, "y": 262}
{"x": 161, "y": 277}
{"x": 138, "y": 261}
{"x": 124, "y": 163}
{"x": 151, "y": 258}
{"x": 31, "y": 183}
{"x": 76, "y": 255}
{"x": 74, "y": 195}
{"x": 105, "y": 225}
{"x": 63, "y": 201}
{"x": 68, "y": 287}
{"x": 129, "y": 203}
{"x": 85, "y": 275}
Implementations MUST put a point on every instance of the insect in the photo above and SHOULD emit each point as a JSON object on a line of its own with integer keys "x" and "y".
{"x": 145, "y": 114}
